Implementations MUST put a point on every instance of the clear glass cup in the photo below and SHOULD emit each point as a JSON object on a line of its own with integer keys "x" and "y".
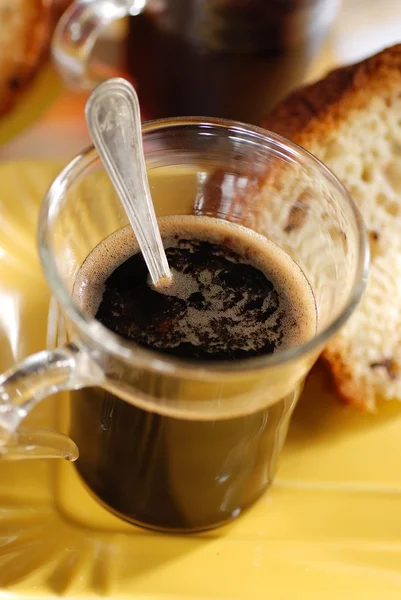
{"x": 173, "y": 444}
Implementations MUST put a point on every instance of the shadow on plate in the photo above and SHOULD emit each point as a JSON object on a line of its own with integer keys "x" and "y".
{"x": 321, "y": 415}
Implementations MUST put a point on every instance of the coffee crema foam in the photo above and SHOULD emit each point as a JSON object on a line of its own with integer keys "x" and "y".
{"x": 215, "y": 309}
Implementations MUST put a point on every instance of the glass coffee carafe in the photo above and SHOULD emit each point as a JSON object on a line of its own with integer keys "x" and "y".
{"x": 221, "y": 58}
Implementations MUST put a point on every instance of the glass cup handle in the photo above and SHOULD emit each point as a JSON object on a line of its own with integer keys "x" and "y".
{"x": 77, "y": 32}
{"x": 25, "y": 385}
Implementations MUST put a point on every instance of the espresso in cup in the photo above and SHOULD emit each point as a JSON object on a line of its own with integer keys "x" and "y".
{"x": 234, "y": 295}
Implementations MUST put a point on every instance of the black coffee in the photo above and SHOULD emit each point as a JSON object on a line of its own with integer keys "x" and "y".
{"x": 234, "y": 295}
{"x": 218, "y": 308}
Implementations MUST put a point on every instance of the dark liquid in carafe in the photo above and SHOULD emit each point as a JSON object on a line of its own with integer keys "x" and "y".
{"x": 223, "y": 59}
{"x": 168, "y": 472}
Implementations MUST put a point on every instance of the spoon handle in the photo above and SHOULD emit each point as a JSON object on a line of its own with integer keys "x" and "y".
{"x": 113, "y": 117}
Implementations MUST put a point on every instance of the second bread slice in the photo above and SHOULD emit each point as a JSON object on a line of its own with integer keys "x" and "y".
{"x": 351, "y": 120}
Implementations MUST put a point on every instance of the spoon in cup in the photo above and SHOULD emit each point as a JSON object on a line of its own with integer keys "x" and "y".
{"x": 113, "y": 116}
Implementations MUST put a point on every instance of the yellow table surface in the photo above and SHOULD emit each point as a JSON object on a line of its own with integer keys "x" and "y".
{"x": 329, "y": 528}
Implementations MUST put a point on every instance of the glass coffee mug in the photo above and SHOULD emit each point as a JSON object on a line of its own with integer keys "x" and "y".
{"x": 168, "y": 443}
{"x": 221, "y": 58}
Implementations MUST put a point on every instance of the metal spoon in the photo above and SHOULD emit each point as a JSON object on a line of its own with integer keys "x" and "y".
{"x": 113, "y": 116}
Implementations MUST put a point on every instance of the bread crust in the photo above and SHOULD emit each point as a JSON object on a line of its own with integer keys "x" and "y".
{"x": 29, "y": 24}
{"x": 310, "y": 117}
{"x": 309, "y": 114}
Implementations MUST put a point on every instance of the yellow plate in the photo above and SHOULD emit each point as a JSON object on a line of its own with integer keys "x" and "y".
{"x": 38, "y": 95}
{"x": 329, "y": 528}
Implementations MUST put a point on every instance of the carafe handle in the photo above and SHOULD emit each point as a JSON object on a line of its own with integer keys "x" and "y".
{"x": 77, "y": 32}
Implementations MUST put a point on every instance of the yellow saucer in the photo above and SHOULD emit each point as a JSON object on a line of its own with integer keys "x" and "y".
{"x": 329, "y": 528}
{"x": 38, "y": 95}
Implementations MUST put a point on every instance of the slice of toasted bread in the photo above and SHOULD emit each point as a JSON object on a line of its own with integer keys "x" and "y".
{"x": 351, "y": 120}
{"x": 25, "y": 31}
